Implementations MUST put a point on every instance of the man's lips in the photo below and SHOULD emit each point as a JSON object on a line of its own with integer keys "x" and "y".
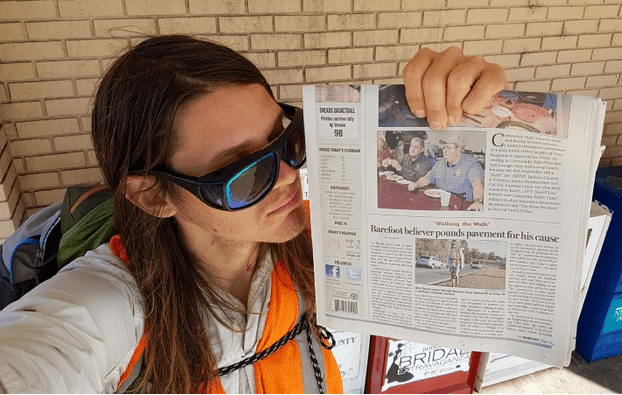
{"x": 289, "y": 201}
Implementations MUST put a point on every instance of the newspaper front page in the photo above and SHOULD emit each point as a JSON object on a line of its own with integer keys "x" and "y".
{"x": 484, "y": 252}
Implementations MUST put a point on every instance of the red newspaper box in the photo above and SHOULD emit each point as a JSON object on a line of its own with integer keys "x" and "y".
{"x": 397, "y": 366}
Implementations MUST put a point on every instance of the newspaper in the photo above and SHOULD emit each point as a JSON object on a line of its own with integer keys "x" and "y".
{"x": 420, "y": 264}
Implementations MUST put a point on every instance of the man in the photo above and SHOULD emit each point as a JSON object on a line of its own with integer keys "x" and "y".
{"x": 414, "y": 165}
{"x": 455, "y": 262}
{"x": 458, "y": 173}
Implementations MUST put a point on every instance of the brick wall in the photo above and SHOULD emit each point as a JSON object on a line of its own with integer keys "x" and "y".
{"x": 53, "y": 51}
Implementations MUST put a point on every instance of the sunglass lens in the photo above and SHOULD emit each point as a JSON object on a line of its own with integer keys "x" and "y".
{"x": 252, "y": 183}
{"x": 295, "y": 148}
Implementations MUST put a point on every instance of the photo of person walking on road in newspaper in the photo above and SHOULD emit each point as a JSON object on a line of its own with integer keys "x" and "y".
{"x": 461, "y": 263}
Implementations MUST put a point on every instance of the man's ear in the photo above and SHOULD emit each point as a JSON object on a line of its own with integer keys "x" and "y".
{"x": 144, "y": 194}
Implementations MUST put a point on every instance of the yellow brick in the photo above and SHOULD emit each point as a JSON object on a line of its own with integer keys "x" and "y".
{"x": 73, "y": 143}
{"x": 68, "y": 68}
{"x": 17, "y": 71}
{"x": 611, "y": 93}
{"x": 95, "y": 48}
{"x": 272, "y": 6}
{"x": 544, "y": 28}
{"x": 576, "y": 27}
{"x": 58, "y": 29}
{"x": 521, "y": 45}
{"x": 290, "y": 92}
{"x": 74, "y": 106}
{"x": 527, "y": 13}
{"x": 565, "y": 13}
{"x": 302, "y": 58}
{"x": 505, "y": 30}
{"x": 262, "y": 60}
{"x": 7, "y": 228}
{"x": 8, "y": 207}
{"x": 237, "y": 43}
{"x": 52, "y": 162}
{"x": 486, "y": 47}
{"x": 601, "y": 11}
{"x": 20, "y": 111}
{"x": 31, "y": 51}
{"x": 354, "y": 55}
{"x": 242, "y": 24}
{"x": 29, "y": 182}
{"x": 18, "y": 10}
{"x": 533, "y": 86}
{"x": 351, "y": 21}
{"x": 331, "y": 73}
{"x": 300, "y": 23}
{"x": 505, "y": 61}
{"x": 566, "y": 42}
{"x": 124, "y": 27}
{"x": 423, "y": 35}
{"x": 328, "y": 40}
{"x": 90, "y": 8}
{"x": 191, "y": 25}
{"x": 86, "y": 124}
{"x": 91, "y": 158}
{"x": 374, "y": 70}
{"x": 30, "y": 147}
{"x": 613, "y": 117}
{"x": 40, "y": 90}
{"x": 617, "y": 39}
{"x": 326, "y": 6}
{"x": 217, "y": 7}
{"x": 601, "y": 81}
{"x": 8, "y": 182}
{"x": 446, "y": 17}
{"x": 467, "y": 3}
{"x": 606, "y": 53}
{"x": 523, "y": 74}
{"x": 47, "y": 197}
{"x": 82, "y": 176}
{"x": 284, "y": 76}
{"x": 613, "y": 66}
{"x": 155, "y": 7}
{"x": 11, "y": 32}
{"x": 594, "y": 40}
{"x": 276, "y": 41}
{"x": 509, "y": 3}
{"x": 86, "y": 87}
{"x": 556, "y": 71}
{"x": 5, "y": 160}
{"x": 487, "y": 15}
{"x": 376, "y": 37}
{"x": 588, "y": 68}
{"x": 613, "y": 129}
{"x": 396, "y": 19}
{"x": 49, "y": 127}
{"x": 610, "y": 25}
{"x": 376, "y": 5}
{"x": 9, "y": 129}
{"x": 574, "y": 55}
{"x": 464, "y": 32}
{"x": 424, "y": 5}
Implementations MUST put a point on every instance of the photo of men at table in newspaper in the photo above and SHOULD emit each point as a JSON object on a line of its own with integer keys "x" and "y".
{"x": 536, "y": 112}
{"x": 439, "y": 171}
{"x": 460, "y": 263}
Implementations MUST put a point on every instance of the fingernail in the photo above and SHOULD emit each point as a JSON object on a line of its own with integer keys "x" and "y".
{"x": 452, "y": 120}
{"x": 420, "y": 113}
{"x": 436, "y": 125}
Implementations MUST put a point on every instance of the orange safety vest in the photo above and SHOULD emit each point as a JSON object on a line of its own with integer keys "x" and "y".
{"x": 280, "y": 372}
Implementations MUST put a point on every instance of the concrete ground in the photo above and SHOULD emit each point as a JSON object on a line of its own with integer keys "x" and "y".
{"x": 603, "y": 376}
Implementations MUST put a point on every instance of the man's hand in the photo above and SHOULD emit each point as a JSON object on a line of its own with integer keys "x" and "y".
{"x": 441, "y": 86}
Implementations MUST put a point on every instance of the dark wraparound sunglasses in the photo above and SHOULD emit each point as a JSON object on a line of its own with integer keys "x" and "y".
{"x": 248, "y": 180}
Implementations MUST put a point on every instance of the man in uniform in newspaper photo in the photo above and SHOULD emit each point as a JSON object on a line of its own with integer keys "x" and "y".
{"x": 455, "y": 262}
{"x": 414, "y": 165}
{"x": 457, "y": 172}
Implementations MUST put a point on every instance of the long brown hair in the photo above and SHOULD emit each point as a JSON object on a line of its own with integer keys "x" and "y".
{"x": 132, "y": 129}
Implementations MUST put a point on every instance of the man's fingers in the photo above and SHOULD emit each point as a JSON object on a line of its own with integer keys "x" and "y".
{"x": 491, "y": 81}
{"x": 435, "y": 86}
{"x": 413, "y": 75}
